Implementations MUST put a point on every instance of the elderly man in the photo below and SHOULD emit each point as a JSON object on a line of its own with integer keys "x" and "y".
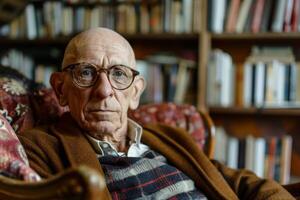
{"x": 99, "y": 83}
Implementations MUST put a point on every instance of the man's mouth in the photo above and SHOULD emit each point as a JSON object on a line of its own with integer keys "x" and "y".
{"x": 100, "y": 110}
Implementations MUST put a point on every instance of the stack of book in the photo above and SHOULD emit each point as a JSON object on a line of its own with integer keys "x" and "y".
{"x": 271, "y": 77}
{"x": 220, "y": 79}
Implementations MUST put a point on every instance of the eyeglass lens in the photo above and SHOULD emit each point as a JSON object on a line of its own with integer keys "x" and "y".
{"x": 120, "y": 76}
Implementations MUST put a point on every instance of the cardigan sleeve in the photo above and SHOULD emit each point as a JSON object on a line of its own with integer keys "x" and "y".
{"x": 248, "y": 186}
{"x": 42, "y": 151}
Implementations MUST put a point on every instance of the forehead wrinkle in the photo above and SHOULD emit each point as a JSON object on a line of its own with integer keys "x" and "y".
{"x": 102, "y": 55}
{"x": 100, "y": 39}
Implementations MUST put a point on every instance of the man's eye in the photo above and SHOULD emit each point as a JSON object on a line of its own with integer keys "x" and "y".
{"x": 119, "y": 73}
{"x": 87, "y": 73}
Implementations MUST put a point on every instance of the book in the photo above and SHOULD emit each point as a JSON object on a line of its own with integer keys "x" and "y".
{"x": 218, "y": 9}
{"x": 297, "y": 65}
{"x": 249, "y": 152}
{"x": 270, "y": 83}
{"x": 295, "y": 16}
{"x": 242, "y": 153}
{"x": 248, "y": 71}
{"x": 145, "y": 19}
{"x": 213, "y": 85}
{"x": 285, "y": 159}
{"x": 249, "y": 19}
{"x": 242, "y": 16}
{"x": 185, "y": 68}
{"x": 267, "y": 16}
{"x": 169, "y": 72}
{"x": 221, "y": 83}
{"x": 257, "y": 16}
{"x": 288, "y": 15}
{"x": 167, "y": 4}
{"x": 196, "y": 17}
{"x": 187, "y": 21}
{"x": 277, "y": 164}
{"x": 232, "y": 16}
{"x": 260, "y": 76}
{"x": 220, "y": 147}
{"x": 259, "y": 156}
{"x": 227, "y": 80}
{"x": 31, "y": 25}
{"x": 278, "y": 17}
{"x": 271, "y": 154}
{"x": 232, "y": 152}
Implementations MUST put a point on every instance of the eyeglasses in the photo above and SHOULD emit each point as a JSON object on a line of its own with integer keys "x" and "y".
{"x": 86, "y": 75}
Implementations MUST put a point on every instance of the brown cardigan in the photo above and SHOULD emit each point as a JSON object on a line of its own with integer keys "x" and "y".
{"x": 52, "y": 149}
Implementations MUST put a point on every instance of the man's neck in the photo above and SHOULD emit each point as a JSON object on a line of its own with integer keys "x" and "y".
{"x": 121, "y": 145}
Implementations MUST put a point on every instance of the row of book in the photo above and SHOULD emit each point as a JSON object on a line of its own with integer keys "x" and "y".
{"x": 56, "y": 18}
{"x": 268, "y": 157}
{"x": 169, "y": 78}
{"x": 26, "y": 66}
{"x": 270, "y": 77}
{"x": 254, "y": 16}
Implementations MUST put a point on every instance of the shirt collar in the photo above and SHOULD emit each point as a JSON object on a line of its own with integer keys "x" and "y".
{"x": 134, "y": 134}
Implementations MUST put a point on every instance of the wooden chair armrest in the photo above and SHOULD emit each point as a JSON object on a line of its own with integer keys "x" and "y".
{"x": 294, "y": 189}
{"x": 77, "y": 183}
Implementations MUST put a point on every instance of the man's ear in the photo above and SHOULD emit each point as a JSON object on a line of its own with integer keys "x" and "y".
{"x": 57, "y": 81}
{"x": 137, "y": 90}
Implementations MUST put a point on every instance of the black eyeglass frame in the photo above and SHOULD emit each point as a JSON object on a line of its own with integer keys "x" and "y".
{"x": 71, "y": 68}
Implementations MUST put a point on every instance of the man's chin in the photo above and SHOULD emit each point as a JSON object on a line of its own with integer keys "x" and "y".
{"x": 102, "y": 128}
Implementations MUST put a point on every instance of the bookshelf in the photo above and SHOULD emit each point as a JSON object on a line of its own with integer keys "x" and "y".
{"x": 49, "y": 25}
{"x": 238, "y": 119}
{"x": 200, "y": 40}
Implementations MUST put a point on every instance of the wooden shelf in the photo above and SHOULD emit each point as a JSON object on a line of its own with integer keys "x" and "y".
{"x": 256, "y": 36}
{"x": 255, "y": 111}
{"x": 162, "y": 36}
{"x": 96, "y": 3}
{"x": 63, "y": 40}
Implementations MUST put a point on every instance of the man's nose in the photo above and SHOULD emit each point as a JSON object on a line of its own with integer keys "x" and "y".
{"x": 103, "y": 87}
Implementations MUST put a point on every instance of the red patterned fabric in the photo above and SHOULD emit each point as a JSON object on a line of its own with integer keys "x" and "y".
{"x": 15, "y": 115}
{"x": 13, "y": 160}
{"x": 15, "y": 104}
{"x": 183, "y": 116}
{"x": 45, "y": 106}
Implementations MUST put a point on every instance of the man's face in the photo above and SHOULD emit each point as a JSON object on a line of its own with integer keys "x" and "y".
{"x": 101, "y": 110}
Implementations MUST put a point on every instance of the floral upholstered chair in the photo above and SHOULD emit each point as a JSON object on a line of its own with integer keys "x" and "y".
{"x": 187, "y": 117}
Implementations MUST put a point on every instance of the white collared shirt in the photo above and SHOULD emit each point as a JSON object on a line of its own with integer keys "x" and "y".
{"x": 136, "y": 148}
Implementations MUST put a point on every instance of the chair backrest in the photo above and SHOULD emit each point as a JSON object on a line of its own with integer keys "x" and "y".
{"x": 24, "y": 103}
{"x": 195, "y": 122}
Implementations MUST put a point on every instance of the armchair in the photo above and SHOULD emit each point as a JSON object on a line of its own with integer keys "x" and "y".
{"x": 197, "y": 123}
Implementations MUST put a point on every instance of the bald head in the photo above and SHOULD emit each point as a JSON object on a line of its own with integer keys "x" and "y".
{"x": 97, "y": 40}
